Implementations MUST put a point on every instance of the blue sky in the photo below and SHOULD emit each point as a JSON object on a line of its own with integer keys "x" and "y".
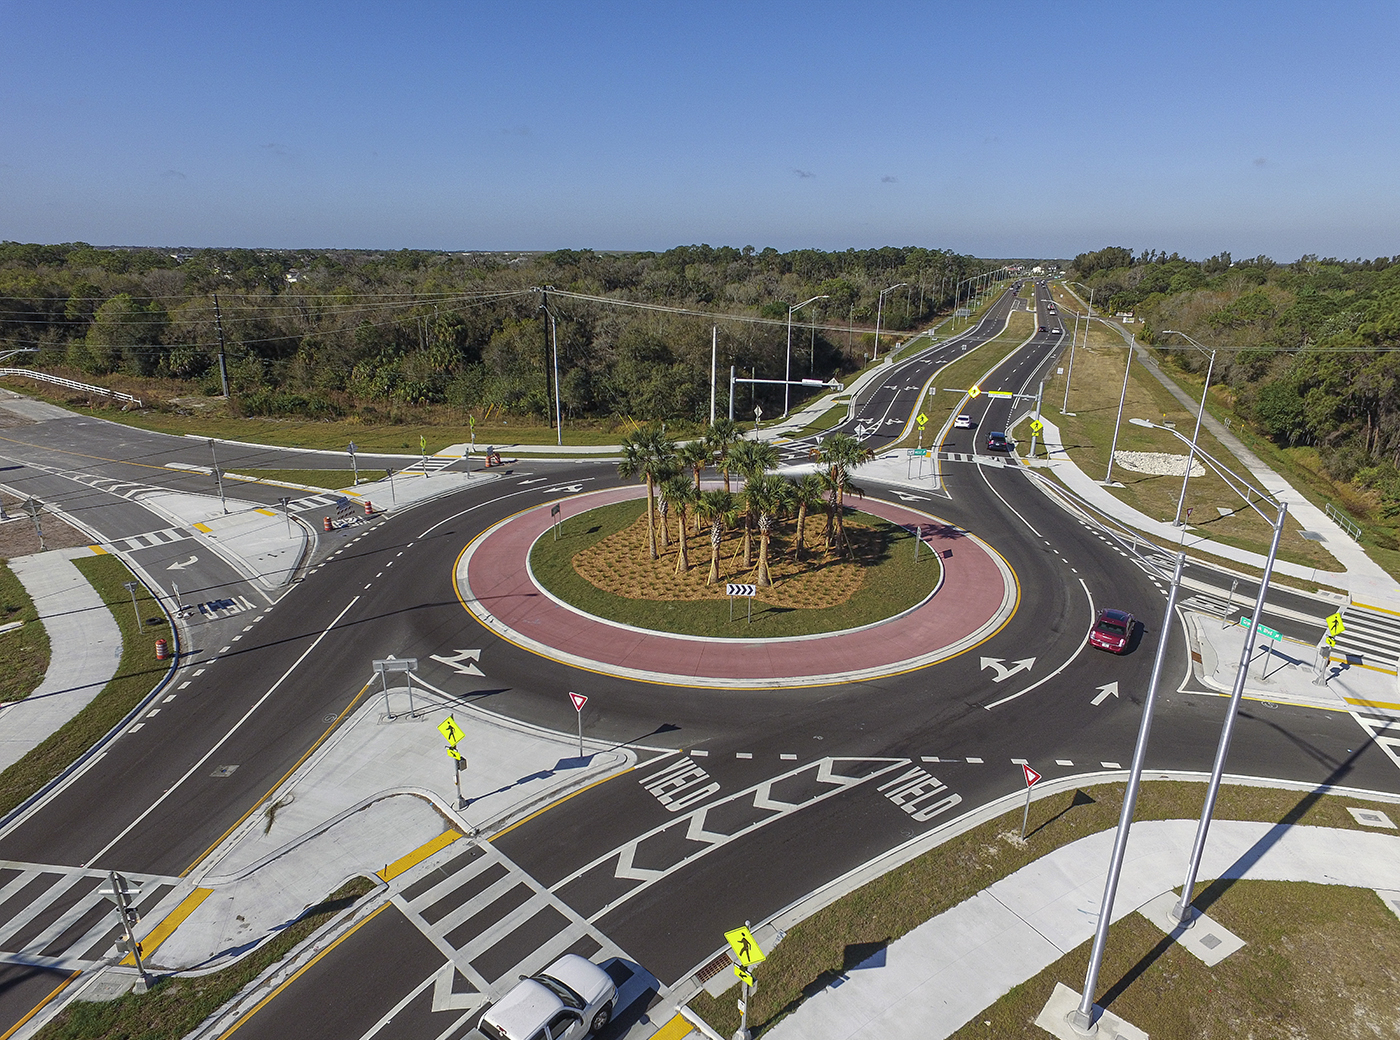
{"x": 1037, "y": 129}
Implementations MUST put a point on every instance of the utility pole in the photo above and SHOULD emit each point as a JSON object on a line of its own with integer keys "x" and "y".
{"x": 714, "y": 358}
{"x": 31, "y": 506}
{"x": 544, "y": 326}
{"x": 223, "y": 364}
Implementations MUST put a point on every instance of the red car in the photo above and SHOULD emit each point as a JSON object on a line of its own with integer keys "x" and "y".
{"x": 1112, "y": 631}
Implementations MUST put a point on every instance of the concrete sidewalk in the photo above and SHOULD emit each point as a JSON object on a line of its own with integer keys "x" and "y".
{"x": 377, "y": 790}
{"x": 933, "y": 980}
{"x": 85, "y": 647}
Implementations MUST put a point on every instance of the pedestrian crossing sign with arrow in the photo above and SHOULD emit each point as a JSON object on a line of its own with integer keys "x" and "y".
{"x": 974, "y": 392}
{"x": 745, "y": 977}
{"x": 451, "y": 732}
{"x": 1334, "y": 625}
{"x": 745, "y": 947}
{"x": 1037, "y": 426}
{"x": 455, "y": 753}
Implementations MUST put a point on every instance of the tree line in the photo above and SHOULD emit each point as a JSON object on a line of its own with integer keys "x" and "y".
{"x": 387, "y": 334}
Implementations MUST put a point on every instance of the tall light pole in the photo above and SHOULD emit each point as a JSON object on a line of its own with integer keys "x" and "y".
{"x": 1108, "y": 477}
{"x": 879, "y": 313}
{"x": 558, "y": 414}
{"x": 1182, "y": 911}
{"x": 1191, "y": 456}
{"x": 787, "y": 389}
{"x": 217, "y": 475}
{"x": 1070, "y": 374}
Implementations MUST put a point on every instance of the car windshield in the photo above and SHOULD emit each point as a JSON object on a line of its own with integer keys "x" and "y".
{"x": 563, "y": 992}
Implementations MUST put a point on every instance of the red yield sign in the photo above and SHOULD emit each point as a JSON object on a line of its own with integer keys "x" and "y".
{"x": 1032, "y": 777}
{"x": 580, "y": 700}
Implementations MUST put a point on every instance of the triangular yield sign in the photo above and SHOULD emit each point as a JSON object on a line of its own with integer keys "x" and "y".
{"x": 1031, "y": 776}
{"x": 579, "y": 700}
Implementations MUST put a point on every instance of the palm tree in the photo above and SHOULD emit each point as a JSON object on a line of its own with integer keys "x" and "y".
{"x": 716, "y": 507}
{"x": 752, "y": 459}
{"x": 839, "y": 454}
{"x": 650, "y": 455}
{"x": 806, "y": 493}
{"x": 768, "y": 496}
{"x": 682, "y": 494}
{"x": 696, "y": 455}
{"x": 722, "y": 436}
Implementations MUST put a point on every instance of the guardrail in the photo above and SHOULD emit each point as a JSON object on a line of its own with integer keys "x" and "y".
{"x": 71, "y": 384}
{"x": 1344, "y": 522}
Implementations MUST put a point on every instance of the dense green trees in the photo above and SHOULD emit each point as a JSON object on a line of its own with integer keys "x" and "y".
{"x": 386, "y": 332}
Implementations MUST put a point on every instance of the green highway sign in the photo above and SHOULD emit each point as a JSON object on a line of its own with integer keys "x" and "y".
{"x": 915, "y": 453}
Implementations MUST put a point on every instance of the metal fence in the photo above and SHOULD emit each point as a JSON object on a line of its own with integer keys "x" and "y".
{"x": 71, "y": 384}
{"x": 1344, "y": 522}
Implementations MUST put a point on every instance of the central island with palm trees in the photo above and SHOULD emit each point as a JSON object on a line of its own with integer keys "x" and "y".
{"x": 664, "y": 561}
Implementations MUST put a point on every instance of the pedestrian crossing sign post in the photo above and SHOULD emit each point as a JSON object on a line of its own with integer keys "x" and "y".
{"x": 451, "y": 732}
{"x": 1037, "y": 426}
{"x": 354, "y": 463}
{"x": 423, "y": 449}
{"x": 746, "y": 951}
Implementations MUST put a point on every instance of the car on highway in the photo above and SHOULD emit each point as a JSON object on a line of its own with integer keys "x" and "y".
{"x": 1044, "y": 329}
{"x": 1113, "y": 631}
{"x": 963, "y": 422}
{"x": 570, "y": 999}
{"x": 998, "y": 442}
{"x": 1058, "y": 332}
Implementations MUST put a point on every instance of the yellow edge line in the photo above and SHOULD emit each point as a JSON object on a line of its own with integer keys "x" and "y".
{"x": 1359, "y": 701}
{"x": 418, "y": 855}
{"x": 253, "y": 808}
{"x": 682, "y": 685}
{"x": 173, "y": 920}
{"x": 39, "y": 1006}
{"x": 298, "y": 973}
{"x": 551, "y": 805}
{"x": 1368, "y": 606}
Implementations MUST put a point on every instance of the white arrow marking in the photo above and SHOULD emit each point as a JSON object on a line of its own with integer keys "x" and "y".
{"x": 1111, "y": 690}
{"x": 463, "y": 661}
{"x": 181, "y": 566}
{"x": 563, "y": 487}
{"x": 910, "y": 498}
{"x": 537, "y": 480}
{"x": 1002, "y": 670}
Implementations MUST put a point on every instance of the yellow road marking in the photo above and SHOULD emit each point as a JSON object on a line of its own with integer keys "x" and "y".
{"x": 265, "y": 512}
{"x": 298, "y": 973}
{"x": 1383, "y": 610}
{"x": 203, "y": 527}
{"x": 676, "y": 1029}
{"x": 98, "y": 550}
{"x": 297, "y": 765}
{"x": 1358, "y": 701}
{"x": 173, "y": 920}
{"x": 418, "y": 855}
{"x": 39, "y": 1006}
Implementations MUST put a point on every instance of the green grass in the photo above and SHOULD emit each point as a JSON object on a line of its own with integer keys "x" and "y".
{"x": 25, "y": 650}
{"x": 1308, "y": 970}
{"x": 829, "y": 418}
{"x": 174, "y": 1006}
{"x": 892, "y": 584}
{"x": 137, "y": 673}
{"x": 331, "y": 479}
{"x": 831, "y": 941}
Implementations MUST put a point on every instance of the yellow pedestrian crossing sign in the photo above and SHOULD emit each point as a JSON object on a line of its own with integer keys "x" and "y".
{"x": 455, "y": 753}
{"x": 744, "y": 976}
{"x": 451, "y": 732}
{"x": 976, "y": 390}
{"x": 922, "y": 420}
{"x": 1334, "y": 625}
{"x": 745, "y": 947}
{"x": 1037, "y": 426}
{"x": 1331, "y": 641}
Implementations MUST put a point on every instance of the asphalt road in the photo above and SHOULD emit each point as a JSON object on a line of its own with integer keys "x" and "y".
{"x": 152, "y": 803}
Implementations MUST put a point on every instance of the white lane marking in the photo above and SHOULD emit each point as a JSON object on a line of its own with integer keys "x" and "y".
{"x": 1078, "y": 650}
{"x": 180, "y": 687}
{"x": 1020, "y": 762}
{"x": 222, "y": 740}
{"x": 1063, "y": 762}
{"x": 199, "y": 671}
{"x": 788, "y": 758}
{"x": 700, "y": 754}
{"x": 1110, "y": 765}
{"x": 133, "y": 729}
{"x": 168, "y": 699}
{"x": 743, "y": 754}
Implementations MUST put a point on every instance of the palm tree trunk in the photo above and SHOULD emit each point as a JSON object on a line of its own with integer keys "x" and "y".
{"x": 764, "y": 579}
{"x": 715, "y": 534}
{"x": 748, "y": 540}
{"x": 663, "y": 507}
{"x": 798, "y": 543}
{"x": 651, "y": 519}
{"x": 682, "y": 555}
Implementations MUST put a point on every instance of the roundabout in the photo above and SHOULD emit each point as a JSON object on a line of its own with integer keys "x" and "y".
{"x": 976, "y": 596}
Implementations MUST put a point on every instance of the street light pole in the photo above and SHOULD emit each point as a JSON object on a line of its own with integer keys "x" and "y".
{"x": 1191, "y": 456}
{"x": 1108, "y": 477}
{"x": 1082, "y": 1017}
{"x": 217, "y": 475}
{"x": 1069, "y": 375}
{"x": 558, "y": 414}
{"x": 787, "y": 390}
{"x": 879, "y": 313}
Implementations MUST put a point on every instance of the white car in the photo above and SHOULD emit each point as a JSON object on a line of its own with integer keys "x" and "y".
{"x": 570, "y": 999}
{"x": 963, "y": 422}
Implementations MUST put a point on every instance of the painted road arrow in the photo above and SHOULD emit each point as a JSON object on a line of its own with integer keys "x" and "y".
{"x": 1002, "y": 670}
{"x": 1111, "y": 690}
{"x": 463, "y": 661}
{"x": 181, "y": 566}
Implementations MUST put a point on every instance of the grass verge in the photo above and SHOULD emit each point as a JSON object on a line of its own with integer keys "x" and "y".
{"x": 836, "y": 938}
{"x": 1087, "y": 429}
{"x": 137, "y": 672}
{"x": 174, "y": 1006}
{"x": 1310, "y": 968}
{"x": 25, "y": 650}
{"x": 890, "y": 581}
{"x": 330, "y": 479}
{"x": 829, "y": 418}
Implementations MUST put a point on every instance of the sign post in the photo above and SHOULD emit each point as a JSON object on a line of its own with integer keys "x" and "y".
{"x": 131, "y": 587}
{"x": 1269, "y": 634}
{"x": 423, "y": 449}
{"x": 452, "y": 733}
{"x": 1032, "y": 778}
{"x": 286, "y": 503}
{"x": 123, "y": 892}
{"x": 408, "y": 666}
{"x": 354, "y": 464}
{"x": 579, "y": 700}
{"x": 747, "y": 953}
{"x": 734, "y": 588}
{"x": 1324, "y": 659}
{"x": 554, "y": 516}
{"x": 31, "y": 506}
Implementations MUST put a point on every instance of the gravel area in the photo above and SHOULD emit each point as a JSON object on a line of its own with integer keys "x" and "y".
{"x": 1157, "y": 463}
{"x": 17, "y": 537}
